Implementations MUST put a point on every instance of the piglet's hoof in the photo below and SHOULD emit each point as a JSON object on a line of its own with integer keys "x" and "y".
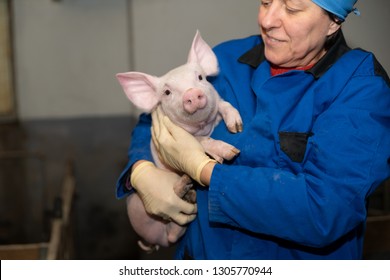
{"x": 148, "y": 248}
{"x": 184, "y": 189}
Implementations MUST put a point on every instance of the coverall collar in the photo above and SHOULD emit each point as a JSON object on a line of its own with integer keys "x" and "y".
{"x": 255, "y": 56}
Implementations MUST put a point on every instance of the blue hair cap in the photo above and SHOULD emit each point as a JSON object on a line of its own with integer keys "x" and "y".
{"x": 340, "y": 8}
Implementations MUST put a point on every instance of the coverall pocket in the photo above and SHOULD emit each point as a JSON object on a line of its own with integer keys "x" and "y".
{"x": 293, "y": 144}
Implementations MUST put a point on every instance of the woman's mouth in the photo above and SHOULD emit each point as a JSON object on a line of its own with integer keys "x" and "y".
{"x": 269, "y": 40}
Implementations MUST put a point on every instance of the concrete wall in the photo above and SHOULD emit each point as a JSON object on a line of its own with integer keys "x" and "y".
{"x": 163, "y": 30}
{"x": 68, "y": 51}
{"x": 370, "y": 30}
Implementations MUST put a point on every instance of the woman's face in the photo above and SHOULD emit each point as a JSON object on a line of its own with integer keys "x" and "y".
{"x": 294, "y": 31}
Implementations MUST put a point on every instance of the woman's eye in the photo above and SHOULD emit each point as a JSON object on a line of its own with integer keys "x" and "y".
{"x": 265, "y": 3}
{"x": 291, "y": 11}
{"x": 167, "y": 92}
{"x": 200, "y": 77}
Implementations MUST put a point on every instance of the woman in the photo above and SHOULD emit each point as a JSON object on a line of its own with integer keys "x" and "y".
{"x": 315, "y": 144}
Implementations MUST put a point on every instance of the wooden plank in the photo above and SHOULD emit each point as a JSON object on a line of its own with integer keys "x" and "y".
{"x": 7, "y": 106}
{"x": 55, "y": 240}
{"x": 68, "y": 192}
{"x": 34, "y": 251}
{"x": 61, "y": 241}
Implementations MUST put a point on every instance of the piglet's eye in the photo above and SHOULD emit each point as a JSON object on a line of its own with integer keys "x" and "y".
{"x": 200, "y": 77}
{"x": 167, "y": 92}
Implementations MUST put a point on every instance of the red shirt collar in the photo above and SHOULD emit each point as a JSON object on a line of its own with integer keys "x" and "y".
{"x": 275, "y": 70}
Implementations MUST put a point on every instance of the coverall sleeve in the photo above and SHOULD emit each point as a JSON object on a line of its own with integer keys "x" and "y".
{"x": 139, "y": 149}
{"x": 346, "y": 159}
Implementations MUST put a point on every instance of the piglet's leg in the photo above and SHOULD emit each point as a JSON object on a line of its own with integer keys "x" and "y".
{"x": 230, "y": 116}
{"x": 183, "y": 188}
{"x": 151, "y": 229}
{"x": 154, "y": 231}
{"x": 218, "y": 149}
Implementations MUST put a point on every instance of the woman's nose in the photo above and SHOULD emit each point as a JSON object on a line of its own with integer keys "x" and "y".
{"x": 270, "y": 16}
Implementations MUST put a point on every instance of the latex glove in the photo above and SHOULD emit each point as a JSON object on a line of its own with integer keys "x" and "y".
{"x": 178, "y": 148}
{"x": 155, "y": 188}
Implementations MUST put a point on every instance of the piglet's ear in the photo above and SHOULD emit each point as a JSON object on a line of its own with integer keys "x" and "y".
{"x": 202, "y": 54}
{"x": 140, "y": 89}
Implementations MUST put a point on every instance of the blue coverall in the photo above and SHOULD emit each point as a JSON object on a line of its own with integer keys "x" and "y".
{"x": 315, "y": 145}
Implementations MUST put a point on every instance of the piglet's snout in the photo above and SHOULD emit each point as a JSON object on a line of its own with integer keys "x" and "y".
{"x": 193, "y": 100}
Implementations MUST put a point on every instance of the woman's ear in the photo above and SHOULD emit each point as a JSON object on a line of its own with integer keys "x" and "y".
{"x": 333, "y": 27}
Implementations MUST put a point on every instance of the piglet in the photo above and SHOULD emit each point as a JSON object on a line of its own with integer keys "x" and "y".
{"x": 190, "y": 101}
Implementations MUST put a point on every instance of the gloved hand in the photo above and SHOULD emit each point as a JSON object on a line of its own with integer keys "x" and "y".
{"x": 155, "y": 188}
{"x": 178, "y": 148}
